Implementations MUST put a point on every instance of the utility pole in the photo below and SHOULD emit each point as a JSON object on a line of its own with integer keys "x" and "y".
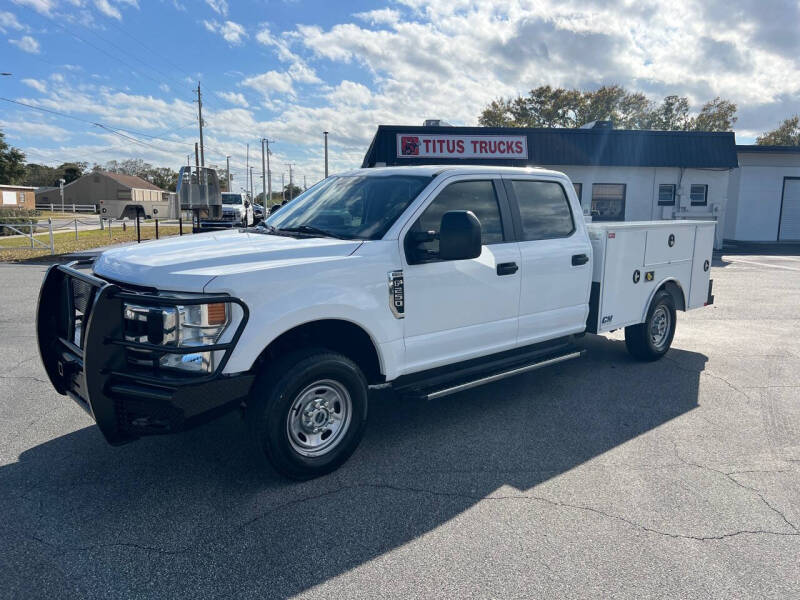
{"x": 188, "y": 160}
{"x": 325, "y": 135}
{"x": 291, "y": 183}
{"x": 269, "y": 174}
{"x": 283, "y": 187}
{"x": 197, "y": 161}
{"x": 247, "y": 165}
{"x": 305, "y": 187}
{"x": 200, "y": 119}
{"x": 252, "y": 189}
{"x": 263, "y": 176}
{"x": 228, "y": 172}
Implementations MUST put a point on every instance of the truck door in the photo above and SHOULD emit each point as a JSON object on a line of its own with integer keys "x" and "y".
{"x": 460, "y": 309}
{"x": 555, "y": 254}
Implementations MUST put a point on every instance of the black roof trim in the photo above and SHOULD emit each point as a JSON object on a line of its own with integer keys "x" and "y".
{"x": 589, "y": 147}
{"x": 759, "y": 148}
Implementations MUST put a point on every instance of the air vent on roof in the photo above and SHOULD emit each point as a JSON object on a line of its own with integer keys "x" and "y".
{"x": 598, "y": 125}
{"x": 436, "y": 123}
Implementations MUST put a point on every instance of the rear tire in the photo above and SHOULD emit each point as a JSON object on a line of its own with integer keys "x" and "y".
{"x": 307, "y": 412}
{"x": 652, "y": 339}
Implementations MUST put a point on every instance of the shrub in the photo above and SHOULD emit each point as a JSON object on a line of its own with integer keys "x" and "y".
{"x": 13, "y": 216}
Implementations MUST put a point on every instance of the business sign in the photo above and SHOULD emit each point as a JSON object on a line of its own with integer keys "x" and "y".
{"x": 421, "y": 145}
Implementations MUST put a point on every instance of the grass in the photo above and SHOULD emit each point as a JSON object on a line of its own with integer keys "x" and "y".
{"x": 17, "y": 249}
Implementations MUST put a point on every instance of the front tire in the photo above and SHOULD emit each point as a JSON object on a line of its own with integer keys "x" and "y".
{"x": 307, "y": 412}
{"x": 652, "y": 339}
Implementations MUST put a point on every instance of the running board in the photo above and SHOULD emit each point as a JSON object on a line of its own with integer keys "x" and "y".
{"x": 502, "y": 375}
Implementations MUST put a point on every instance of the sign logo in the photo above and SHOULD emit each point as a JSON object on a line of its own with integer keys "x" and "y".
{"x": 462, "y": 146}
{"x": 409, "y": 145}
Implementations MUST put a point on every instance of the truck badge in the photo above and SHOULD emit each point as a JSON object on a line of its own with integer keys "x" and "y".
{"x": 397, "y": 301}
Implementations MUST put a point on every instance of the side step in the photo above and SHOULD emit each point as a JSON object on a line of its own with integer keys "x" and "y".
{"x": 468, "y": 385}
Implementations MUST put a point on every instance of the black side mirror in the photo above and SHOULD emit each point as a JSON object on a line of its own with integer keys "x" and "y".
{"x": 459, "y": 235}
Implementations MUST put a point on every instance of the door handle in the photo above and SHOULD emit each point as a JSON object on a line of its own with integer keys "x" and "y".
{"x": 508, "y": 268}
{"x": 579, "y": 259}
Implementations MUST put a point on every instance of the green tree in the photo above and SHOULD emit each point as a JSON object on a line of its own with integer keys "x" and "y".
{"x": 716, "y": 115}
{"x": 12, "y": 163}
{"x": 546, "y": 106}
{"x": 163, "y": 177}
{"x": 787, "y": 134}
{"x": 292, "y": 190}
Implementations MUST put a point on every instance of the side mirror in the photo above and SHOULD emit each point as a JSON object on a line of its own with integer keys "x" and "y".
{"x": 459, "y": 235}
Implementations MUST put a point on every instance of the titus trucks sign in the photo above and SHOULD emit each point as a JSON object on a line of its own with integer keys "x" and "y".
{"x": 420, "y": 145}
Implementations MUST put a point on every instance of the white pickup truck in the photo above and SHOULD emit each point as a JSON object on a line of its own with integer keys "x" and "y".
{"x": 427, "y": 280}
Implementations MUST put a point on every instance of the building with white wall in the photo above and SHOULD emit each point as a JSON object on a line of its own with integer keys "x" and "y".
{"x": 764, "y": 195}
{"x": 619, "y": 175}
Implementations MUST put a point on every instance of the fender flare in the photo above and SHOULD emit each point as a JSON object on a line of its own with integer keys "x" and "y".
{"x": 674, "y": 287}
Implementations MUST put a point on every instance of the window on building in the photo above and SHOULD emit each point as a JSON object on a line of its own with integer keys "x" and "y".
{"x": 578, "y": 190}
{"x": 544, "y": 209}
{"x": 666, "y": 194}
{"x": 608, "y": 201}
{"x": 477, "y": 196}
{"x": 699, "y": 195}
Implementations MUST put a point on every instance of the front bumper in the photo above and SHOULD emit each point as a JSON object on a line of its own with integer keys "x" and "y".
{"x": 79, "y": 327}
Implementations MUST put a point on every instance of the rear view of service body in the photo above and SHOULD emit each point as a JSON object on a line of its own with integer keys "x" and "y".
{"x": 428, "y": 280}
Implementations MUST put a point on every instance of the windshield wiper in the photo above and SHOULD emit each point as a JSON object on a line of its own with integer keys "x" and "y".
{"x": 311, "y": 230}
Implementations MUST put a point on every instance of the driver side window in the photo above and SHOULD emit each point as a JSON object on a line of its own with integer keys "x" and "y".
{"x": 476, "y": 196}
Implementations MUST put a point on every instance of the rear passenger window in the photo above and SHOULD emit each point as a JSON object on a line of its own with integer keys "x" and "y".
{"x": 476, "y": 196}
{"x": 544, "y": 209}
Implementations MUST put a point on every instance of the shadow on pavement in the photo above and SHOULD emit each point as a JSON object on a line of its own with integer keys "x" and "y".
{"x": 198, "y": 515}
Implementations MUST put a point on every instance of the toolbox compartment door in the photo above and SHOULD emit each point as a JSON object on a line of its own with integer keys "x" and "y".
{"x": 701, "y": 266}
{"x": 669, "y": 244}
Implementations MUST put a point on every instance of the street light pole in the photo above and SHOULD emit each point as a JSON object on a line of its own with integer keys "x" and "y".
{"x": 228, "y": 172}
{"x": 325, "y": 135}
{"x": 61, "y": 189}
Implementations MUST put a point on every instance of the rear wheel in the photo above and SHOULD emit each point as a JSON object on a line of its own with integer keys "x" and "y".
{"x": 307, "y": 412}
{"x": 652, "y": 339}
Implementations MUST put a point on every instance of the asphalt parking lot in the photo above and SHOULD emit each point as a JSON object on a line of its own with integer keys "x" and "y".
{"x": 602, "y": 477}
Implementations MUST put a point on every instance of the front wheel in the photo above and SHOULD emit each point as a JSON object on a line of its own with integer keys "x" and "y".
{"x": 651, "y": 340}
{"x": 307, "y": 412}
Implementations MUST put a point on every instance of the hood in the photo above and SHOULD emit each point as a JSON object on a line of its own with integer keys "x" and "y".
{"x": 189, "y": 262}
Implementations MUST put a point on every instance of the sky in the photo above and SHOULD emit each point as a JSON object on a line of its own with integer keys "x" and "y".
{"x": 122, "y": 73}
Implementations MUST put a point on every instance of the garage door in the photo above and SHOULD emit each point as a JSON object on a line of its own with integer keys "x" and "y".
{"x": 790, "y": 210}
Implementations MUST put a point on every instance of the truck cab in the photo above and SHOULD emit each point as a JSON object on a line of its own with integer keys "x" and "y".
{"x": 426, "y": 280}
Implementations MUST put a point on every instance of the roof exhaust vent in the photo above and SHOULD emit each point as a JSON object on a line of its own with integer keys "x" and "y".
{"x": 436, "y": 123}
{"x": 598, "y": 125}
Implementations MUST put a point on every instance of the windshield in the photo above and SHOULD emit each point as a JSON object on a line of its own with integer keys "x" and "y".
{"x": 231, "y": 198}
{"x": 359, "y": 207}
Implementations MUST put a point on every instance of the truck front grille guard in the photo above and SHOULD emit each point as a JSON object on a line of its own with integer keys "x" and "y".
{"x": 80, "y": 318}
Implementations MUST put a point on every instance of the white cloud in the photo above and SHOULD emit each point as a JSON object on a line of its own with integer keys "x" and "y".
{"x": 44, "y": 7}
{"x": 219, "y": 6}
{"x": 271, "y": 82}
{"x": 298, "y": 68}
{"x": 9, "y": 22}
{"x": 38, "y": 85}
{"x": 110, "y": 9}
{"x": 105, "y": 7}
{"x": 27, "y": 44}
{"x": 35, "y": 129}
{"x": 234, "y": 98}
{"x": 164, "y": 88}
{"x": 387, "y": 16}
{"x": 231, "y": 32}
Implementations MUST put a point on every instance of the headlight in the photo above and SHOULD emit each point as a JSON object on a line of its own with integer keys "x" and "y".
{"x": 183, "y": 326}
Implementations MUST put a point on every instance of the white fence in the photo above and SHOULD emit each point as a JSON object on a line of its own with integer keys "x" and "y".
{"x": 28, "y": 231}
{"x": 67, "y": 208}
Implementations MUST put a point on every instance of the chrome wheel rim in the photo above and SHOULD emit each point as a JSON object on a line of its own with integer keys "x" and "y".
{"x": 319, "y": 418}
{"x": 660, "y": 324}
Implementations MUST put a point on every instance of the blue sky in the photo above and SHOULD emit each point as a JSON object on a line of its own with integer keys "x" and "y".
{"x": 289, "y": 69}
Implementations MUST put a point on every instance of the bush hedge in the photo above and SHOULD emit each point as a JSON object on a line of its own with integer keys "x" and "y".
{"x": 13, "y": 216}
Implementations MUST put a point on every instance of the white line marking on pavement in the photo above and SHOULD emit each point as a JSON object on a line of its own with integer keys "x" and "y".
{"x": 761, "y": 264}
